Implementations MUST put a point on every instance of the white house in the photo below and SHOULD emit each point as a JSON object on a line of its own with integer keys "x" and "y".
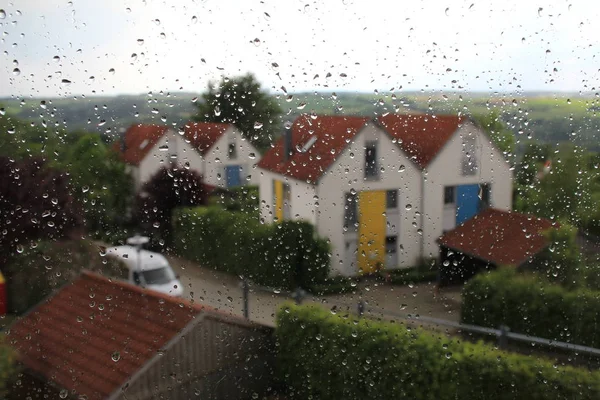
{"x": 382, "y": 190}
{"x": 216, "y": 151}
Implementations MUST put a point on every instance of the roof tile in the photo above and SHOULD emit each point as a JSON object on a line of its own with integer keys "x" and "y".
{"x": 139, "y": 140}
{"x": 203, "y": 135}
{"x": 499, "y": 237}
{"x": 71, "y": 338}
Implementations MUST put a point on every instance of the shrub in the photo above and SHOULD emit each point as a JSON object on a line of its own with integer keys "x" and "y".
{"x": 333, "y": 285}
{"x": 243, "y": 198}
{"x": 45, "y": 266}
{"x": 531, "y": 306}
{"x": 328, "y": 356}
{"x": 8, "y": 368}
{"x": 284, "y": 255}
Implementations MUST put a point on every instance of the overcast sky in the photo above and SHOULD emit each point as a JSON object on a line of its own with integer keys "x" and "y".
{"x": 501, "y": 45}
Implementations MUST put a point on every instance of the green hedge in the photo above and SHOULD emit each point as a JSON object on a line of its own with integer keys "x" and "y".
{"x": 326, "y": 356}
{"x": 527, "y": 304}
{"x": 410, "y": 275}
{"x": 284, "y": 255}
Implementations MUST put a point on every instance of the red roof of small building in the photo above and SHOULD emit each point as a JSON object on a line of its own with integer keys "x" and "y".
{"x": 94, "y": 334}
{"x": 499, "y": 237}
{"x": 332, "y": 132}
{"x": 203, "y": 135}
{"x": 139, "y": 140}
{"x": 421, "y": 136}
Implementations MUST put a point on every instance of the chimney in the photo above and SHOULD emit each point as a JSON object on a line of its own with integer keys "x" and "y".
{"x": 288, "y": 145}
{"x": 122, "y": 139}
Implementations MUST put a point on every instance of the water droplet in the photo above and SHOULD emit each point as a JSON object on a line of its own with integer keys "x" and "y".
{"x": 409, "y": 206}
{"x": 43, "y": 104}
{"x": 217, "y": 111}
{"x": 56, "y": 58}
{"x": 252, "y": 156}
{"x": 65, "y": 82}
{"x": 163, "y": 35}
{"x": 2, "y": 14}
{"x": 194, "y": 19}
{"x": 133, "y": 57}
{"x": 140, "y": 41}
{"x": 116, "y": 356}
{"x": 258, "y": 125}
{"x": 16, "y": 71}
{"x": 112, "y": 70}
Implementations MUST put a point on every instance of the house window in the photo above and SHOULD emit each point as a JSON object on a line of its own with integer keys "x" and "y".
{"x": 449, "y": 195}
{"x": 371, "y": 160}
{"x": 391, "y": 244}
{"x": 469, "y": 160}
{"x": 232, "y": 151}
{"x": 486, "y": 189}
{"x": 391, "y": 199}
{"x": 350, "y": 211}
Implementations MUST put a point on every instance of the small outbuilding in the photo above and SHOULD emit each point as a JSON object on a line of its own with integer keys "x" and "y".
{"x": 491, "y": 239}
{"x": 102, "y": 339}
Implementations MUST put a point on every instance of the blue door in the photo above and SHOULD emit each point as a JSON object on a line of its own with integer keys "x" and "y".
{"x": 467, "y": 202}
{"x": 232, "y": 174}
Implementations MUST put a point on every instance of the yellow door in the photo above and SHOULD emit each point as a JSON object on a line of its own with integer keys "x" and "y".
{"x": 278, "y": 194}
{"x": 371, "y": 231}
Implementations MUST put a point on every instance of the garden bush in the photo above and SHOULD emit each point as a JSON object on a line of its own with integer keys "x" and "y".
{"x": 528, "y": 304}
{"x": 327, "y": 356}
{"x": 406, "y": 276}
{"x": 284, "y": 255}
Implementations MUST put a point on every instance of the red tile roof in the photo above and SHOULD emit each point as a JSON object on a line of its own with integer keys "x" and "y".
{"x": 203, "y": 135}
{"x": 135, "y": 137}
{"x": 499, "y": 237}
{"x": 71, "y": 339}
{"x": 333, "y": 134}
{"x": 421, "y": 136}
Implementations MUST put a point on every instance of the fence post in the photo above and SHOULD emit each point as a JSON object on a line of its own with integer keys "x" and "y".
{"x": 298, "y": 295}
{"x": 245, "y": 293}
{"x": 503, "y": 337}
{"x": 361, "y": 308}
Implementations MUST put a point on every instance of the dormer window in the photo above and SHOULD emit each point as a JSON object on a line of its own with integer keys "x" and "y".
{"x": 308, "y": 144}
{"x": 144, "y": 144}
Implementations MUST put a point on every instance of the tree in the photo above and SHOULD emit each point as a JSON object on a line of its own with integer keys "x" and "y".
{"x": 534, "y": 156}
{"x": 499, "y": 133}
{"x": 241, "y": 102}
{"x": 100, "y": 182}
{"x": 565, "y": 192}
{"x": 164, "y": 191}
{"x": 8, "y": 368}
{"x": 35, "y": 202}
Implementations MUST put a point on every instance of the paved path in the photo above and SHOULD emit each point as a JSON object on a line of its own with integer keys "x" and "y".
{"x": 223, "y": 291}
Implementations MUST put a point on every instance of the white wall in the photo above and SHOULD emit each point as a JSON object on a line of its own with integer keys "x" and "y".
{"x": 187, "y": 154}
{"x": 302, "y": 195}
{"x": 347, "y": 173}
{"x": 156, "y": 159}
{"x": 446, "y": 170}
{"x": 217, "y": 158}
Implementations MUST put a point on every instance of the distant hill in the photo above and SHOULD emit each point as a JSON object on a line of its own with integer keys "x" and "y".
{"x": 549, "y": 118}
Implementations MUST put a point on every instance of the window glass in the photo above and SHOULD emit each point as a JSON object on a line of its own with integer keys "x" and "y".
{"x": 158, "y": 276}
{"x": 350, "y": 211}
{"x": 392, "y": 199}
{"x": 449, "y": 195}
{"x": 371, "y": 170}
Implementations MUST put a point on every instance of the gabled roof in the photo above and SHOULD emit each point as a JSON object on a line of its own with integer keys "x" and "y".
{"x": 332, "y": 132}
{"x": 421, "y": 136}
{"x": 139, "y": 140}
{"x": 94, "y": 334}
{"x": 203, "y": 135}
{"x": 499, "y": 237}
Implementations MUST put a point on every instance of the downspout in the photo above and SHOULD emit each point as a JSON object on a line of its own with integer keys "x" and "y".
{"x": 422, "y": 250}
